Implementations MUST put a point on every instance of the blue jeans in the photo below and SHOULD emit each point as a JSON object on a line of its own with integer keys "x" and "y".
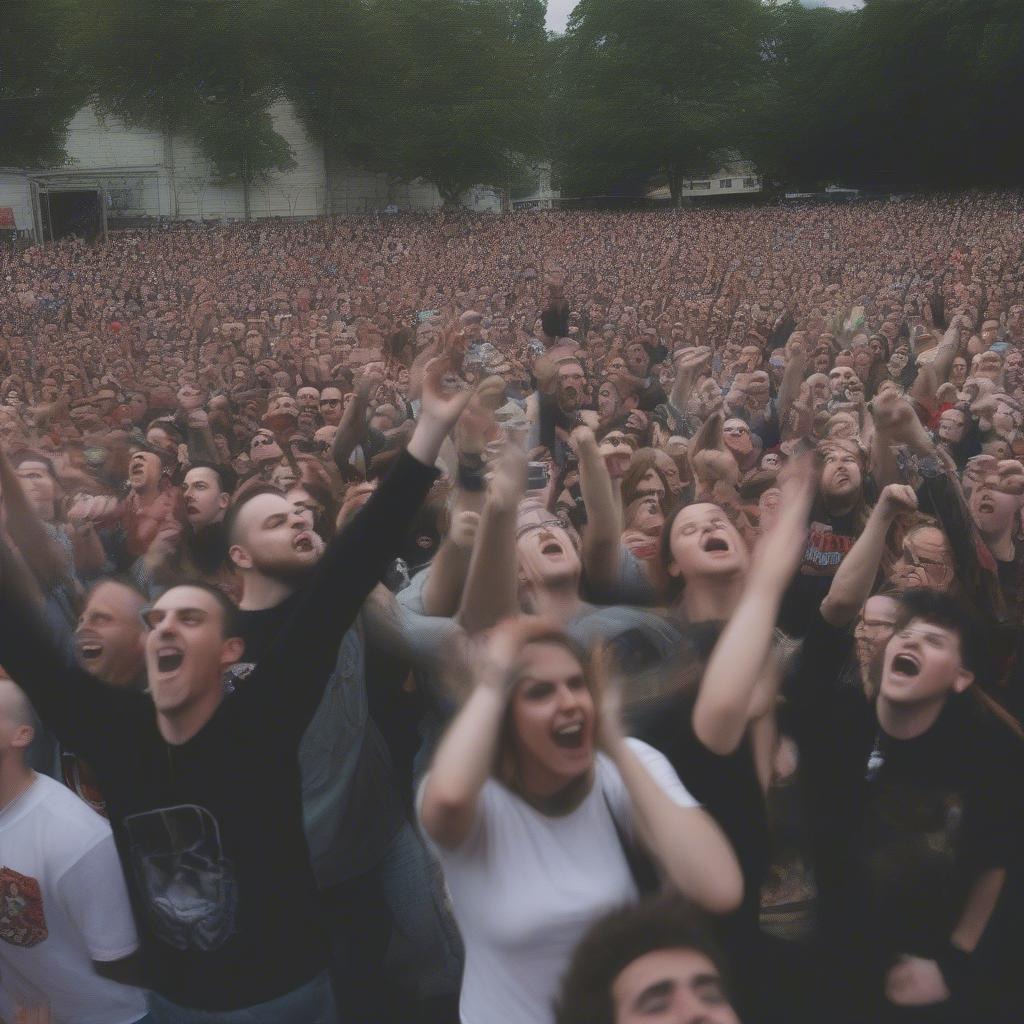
{"x": 313, "y": 1003}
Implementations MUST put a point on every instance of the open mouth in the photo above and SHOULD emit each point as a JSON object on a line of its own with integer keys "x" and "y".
{"x": 906, "y": 665}
{"x": 168, "y": 659}
{"x": 714, "y": 543}
{"x": 552, "y": 549}
{"x": 190, "y": 509}
{"x": 986, "y": 506}
{"x": 89, "y": 650}
{"x": 569, "y": 737}
{"x": 303, "y": 543}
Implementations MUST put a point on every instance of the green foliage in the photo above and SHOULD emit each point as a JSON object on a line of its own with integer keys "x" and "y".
{"x": 197, "y": 67}
{"x": 902, "y": 95}
{"x": 657, "y": 86}
{"x": 41, "y": 87}
{"x": 446, "y": 90}
{"x": 459, "y": 92}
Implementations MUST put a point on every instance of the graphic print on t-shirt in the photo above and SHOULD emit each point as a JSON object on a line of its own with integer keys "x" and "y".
{"x": 825, "y": 550}
{"x": 22, "y": 922}
{"x": 188, "y": 885}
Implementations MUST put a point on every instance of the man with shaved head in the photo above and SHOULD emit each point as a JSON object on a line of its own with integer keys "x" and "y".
{"x": 65, "y": 921}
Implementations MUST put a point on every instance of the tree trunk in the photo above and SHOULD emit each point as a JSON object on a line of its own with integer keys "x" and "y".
{"x": 675, "y": 187}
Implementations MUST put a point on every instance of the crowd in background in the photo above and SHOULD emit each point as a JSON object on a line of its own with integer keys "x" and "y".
{"x": 553, "y": 617}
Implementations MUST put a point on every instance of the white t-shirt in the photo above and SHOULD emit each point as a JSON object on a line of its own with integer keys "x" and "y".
{"x": 63, "y": 905}
{"x": 526, "y": 886}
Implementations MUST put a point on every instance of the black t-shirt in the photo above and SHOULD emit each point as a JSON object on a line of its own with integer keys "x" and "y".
{"x": 726, "y": 785}
{"x": 830, "y": 539}
{"x": 901, "y": 828}
{"x": 210, "y": 832}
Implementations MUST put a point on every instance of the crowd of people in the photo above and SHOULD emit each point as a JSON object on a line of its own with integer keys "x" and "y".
{"x": 549, "y": 618}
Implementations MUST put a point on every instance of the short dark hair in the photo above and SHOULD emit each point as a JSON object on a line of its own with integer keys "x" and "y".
{"x": 614, "y": 943}
{"x": 226, "y": 476}
{"x": 122, "y": 580}
{"x": 939, "y": 609}
{"x": 252, "y": 488}
{"x": 231, "y": 620}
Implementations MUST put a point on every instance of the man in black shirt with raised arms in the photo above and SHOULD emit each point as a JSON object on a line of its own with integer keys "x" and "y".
{"x": 204, "y": 795}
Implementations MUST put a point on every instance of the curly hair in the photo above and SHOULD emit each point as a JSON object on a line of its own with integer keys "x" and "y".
{"x": 615, "y": 942}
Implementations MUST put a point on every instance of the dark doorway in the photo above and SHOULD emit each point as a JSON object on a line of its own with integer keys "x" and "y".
{"x": 72, "y": 212}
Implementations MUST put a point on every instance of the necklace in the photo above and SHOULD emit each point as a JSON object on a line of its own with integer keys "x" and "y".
{"x": 876, "y": 759}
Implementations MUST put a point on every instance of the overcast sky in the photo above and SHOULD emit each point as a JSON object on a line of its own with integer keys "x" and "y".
{"x": 559, "y": 10}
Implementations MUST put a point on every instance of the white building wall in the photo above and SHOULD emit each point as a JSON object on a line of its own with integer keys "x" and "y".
{"x": 16, "y": 192}
{"x": 299, "y": 192}
{"x": 146, "y": 173}
{"x": 101, "y": 141}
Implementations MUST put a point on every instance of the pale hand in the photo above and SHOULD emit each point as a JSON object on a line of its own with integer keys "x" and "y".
{"x": 494, "y": 658}
{"x": 441, "y": 404}
{"x": 896, "y": 499}
{"x": 462, "y": 532}
{"x": 582, "y": 437}
{"x": 895, "y": 418}
{"x": 507, "y": 480}
{"x": 915, "y": 981}
{"x": 690, "y": 360}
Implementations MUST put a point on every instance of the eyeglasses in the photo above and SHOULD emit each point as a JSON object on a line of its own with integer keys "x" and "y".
{"x": 330, "y": 401}
{"x": 262, "y": 442}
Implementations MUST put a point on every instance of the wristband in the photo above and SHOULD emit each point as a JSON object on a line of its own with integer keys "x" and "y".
{"x": 471, "y": 473}
{"x": 956, "y": 967}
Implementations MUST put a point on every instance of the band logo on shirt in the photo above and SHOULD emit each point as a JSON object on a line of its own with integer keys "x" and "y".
{"x": 187, "y": 884}
{"x": 22, "y": 922}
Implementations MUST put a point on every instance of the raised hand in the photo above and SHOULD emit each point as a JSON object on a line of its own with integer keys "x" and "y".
{"x": 895, "y": 419}
{"x": 691, "y": 360}
{"x": 896, "y": 499}
{"x": 506, "y": 481}
{"x": 915, "y": 981}
{"x": 495, "y": 658}
{"x": 782, "y": 545}
{"x": 463, "y": 529}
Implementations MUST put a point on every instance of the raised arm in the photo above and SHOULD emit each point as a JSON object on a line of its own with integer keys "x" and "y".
{"x": 41, "y": 554}
{"x": 491, "y": 584}
{"x": 722, "y": 710}
{"x": 688, "y": 364}
{"x": 792, "y": 375}
{"x": 686, "y": 842}
{"x": 305, "y": 651}
{"x": 855, "y": 577}
{"x": 947, "y": 350}
{"x": 602, "y": 536}
{"x": 465, "y": 756}
{"x": 82, "y": 712}
{"x": 352, "y": 428}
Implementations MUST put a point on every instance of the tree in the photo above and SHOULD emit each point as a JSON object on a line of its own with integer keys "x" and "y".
{"x": 459, "y": 103}
{"x": 197, "y": 68}
{"x": 900, "y": 95}
{"x": 41, "y": 85}
{"x": 657, "y": 86}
